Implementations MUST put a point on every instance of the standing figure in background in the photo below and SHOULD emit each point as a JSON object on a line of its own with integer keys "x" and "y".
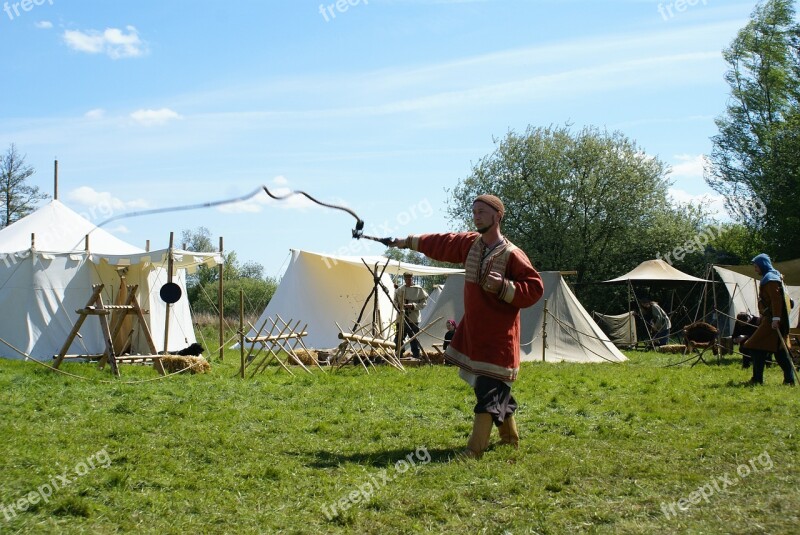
{"x": 410, "y": 299}
{"x": 772, "y": 334}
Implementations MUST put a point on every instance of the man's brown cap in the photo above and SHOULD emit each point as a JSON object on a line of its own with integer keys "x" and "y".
{"x": 492, "y": 201}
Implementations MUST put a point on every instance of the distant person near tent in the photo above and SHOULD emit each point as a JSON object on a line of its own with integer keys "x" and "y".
{"x": 658, "y": 320}
{"x": 772, "y": 334}
{"x": 410, "y": 299}
{"x": 499, "y": 281}
{"x": 448, "y": 336}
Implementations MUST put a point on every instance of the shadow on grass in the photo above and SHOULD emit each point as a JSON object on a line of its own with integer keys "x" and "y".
{"x": 383, "y": 459}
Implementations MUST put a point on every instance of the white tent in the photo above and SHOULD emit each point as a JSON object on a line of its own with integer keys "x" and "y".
{"x": 656, "y": 270}
{"x": 743, "y": 292}
{"x": 572, "y": 335}
{"x": 49, "y": 262}
{"x": 322, "y": 290}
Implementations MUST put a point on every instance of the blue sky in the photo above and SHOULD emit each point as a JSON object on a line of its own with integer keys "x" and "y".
{"x": 382, "y": 105}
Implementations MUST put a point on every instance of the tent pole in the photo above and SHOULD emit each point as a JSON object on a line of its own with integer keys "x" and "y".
{"x": 169, "y": 280}
{"x": 241, "y": 333}
{"x": 544, "y": 331}
{"x": 220, "y": 305}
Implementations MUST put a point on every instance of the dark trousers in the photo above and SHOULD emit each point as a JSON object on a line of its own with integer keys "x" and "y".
{"x": 494, "y": 397}
{"x": 760, "y": 360}
{"x": 410, "y": 330}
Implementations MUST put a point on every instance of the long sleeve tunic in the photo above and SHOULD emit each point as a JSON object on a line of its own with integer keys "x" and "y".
{"x": 486, "y": 341}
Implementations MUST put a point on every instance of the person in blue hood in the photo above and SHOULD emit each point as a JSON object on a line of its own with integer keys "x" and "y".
{"x": 771, "y": 336}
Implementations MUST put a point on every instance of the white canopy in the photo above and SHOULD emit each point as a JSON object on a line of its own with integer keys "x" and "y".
{"x": 656, "y": 270}
{"x": 47, "y": 273}
{"x": 321, "y": 290}
{"x": 572, "y": 335}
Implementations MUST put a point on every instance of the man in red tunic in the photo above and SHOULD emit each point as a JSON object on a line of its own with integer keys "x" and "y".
{"x": 499, "y": 281}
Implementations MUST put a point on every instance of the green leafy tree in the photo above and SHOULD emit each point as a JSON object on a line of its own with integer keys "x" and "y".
{"x": 17, "y": 198}
{"x": 249, "y": 276}
{"x": 587, "y": 201}
{"x": 754, "y": 160}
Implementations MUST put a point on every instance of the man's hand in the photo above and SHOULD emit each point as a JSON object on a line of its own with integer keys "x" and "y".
{"x": 776, "y": 324}
{"x": 493, "y": 282}
{"x": 399, "y": 243}
{"x": 408, "y": 306}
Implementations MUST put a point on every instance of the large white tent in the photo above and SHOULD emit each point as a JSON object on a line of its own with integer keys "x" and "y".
{"x": 322, "y": 290}
{"x": 49, "y": 261}
{"x": 743, "y": 292}
{"x": 572, "y": 335}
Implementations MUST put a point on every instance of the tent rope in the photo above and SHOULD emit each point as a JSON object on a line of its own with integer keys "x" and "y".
{"x": 571, "y": 334}
{"x": 104, "y": 381}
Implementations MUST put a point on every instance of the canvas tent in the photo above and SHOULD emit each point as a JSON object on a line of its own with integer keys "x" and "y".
{"x": 572, "y": 335}
{"x": 620, "y": 328}
{"x": 48, "y": 267}
{"x": 743, "y": 296}
{"x": 322, "y": 290}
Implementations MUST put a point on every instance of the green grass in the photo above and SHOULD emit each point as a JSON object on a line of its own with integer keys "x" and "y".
{"x": 603, "y": 447}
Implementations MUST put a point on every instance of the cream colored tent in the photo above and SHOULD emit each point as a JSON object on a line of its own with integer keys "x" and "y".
{"x": 572, "y": 335}
{"x": 321, "y": 290}
{"x": 743, "y": 293}
{"x": 48, "y": 267}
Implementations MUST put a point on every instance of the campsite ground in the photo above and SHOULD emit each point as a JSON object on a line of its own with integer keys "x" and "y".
{"x": 608, "y": 448}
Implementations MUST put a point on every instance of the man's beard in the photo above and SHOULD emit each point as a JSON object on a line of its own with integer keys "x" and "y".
{"x": 483, "y": 230}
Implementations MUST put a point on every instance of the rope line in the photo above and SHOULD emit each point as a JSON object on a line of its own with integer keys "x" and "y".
{"x": 104, "y": 381}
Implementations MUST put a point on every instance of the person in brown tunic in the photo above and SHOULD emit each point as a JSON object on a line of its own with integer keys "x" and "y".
{"x": 771, "y": 336}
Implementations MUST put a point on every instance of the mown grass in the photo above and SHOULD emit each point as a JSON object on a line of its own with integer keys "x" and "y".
{"x": 604, "y": 449}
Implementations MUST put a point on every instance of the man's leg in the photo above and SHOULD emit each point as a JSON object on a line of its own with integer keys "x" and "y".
{"x": 759, "y": 361}
{"x": 413, "y": 329}
{"x": 495, "y": 404}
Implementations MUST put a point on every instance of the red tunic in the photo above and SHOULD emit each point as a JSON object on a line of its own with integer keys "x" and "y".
{"x": 486, "y": 341}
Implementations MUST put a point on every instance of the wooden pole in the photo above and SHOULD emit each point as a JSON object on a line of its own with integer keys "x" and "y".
{"x": 147, "y": 246}
{"x": 544, "y": 331}
{"x": 86, "y": 243}
{"x": 221, "y": 305}
{"x": 55, "y": 180}
{"x": 169, "y": 279}
{"x": 241, "y": 332}
{"x": 33, "y": 240}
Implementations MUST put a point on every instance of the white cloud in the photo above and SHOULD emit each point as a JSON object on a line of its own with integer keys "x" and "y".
{"x": 44, "y": 24}
{"x": 154, "y": 117}
{"x": 101, "y": 205}
{"x": 97, "y": 113}
{"x": 112, "y": 41}
{"x": 714, "y": 203}
{"x": 688, "y": 166}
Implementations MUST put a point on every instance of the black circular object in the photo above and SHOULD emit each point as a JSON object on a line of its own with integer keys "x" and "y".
{"x": 170, "y": 293}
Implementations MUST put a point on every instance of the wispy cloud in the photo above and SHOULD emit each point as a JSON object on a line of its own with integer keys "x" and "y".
{"x": 43, "y": 24}
{"x": 113, "y": 42}
{"x": 97, "y": 113}
{"x": 154, "y": 117}
{"x": 688, "y": 166}
{"x": 102, "y": 202}
{"x": 279, "y": 188}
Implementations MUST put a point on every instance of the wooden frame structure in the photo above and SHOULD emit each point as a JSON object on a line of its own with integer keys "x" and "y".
{"x": 96, "y": 307}
{"x": 284, "y": 337}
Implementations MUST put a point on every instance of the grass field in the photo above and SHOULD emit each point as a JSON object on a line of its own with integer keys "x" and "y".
{"x": 626, "y": 448}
